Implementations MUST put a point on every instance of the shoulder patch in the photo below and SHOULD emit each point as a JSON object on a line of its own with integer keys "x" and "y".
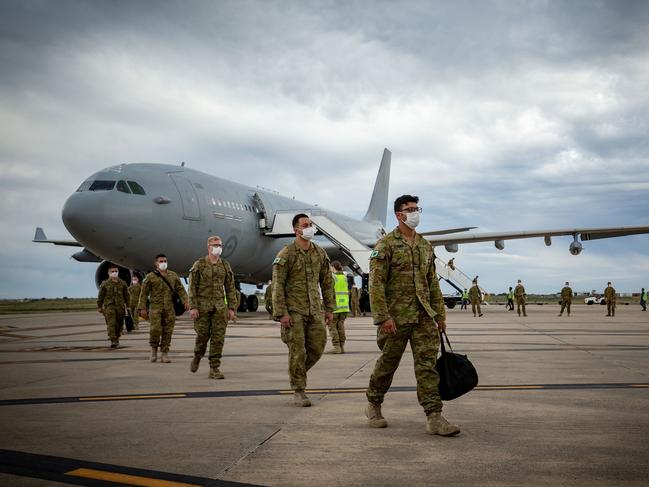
{"x": 377, "y": 255}
{"x": 279, "y": 261}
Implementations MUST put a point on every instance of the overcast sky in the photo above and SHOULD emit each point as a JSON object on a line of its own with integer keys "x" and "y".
{"x": 506, "y": 115}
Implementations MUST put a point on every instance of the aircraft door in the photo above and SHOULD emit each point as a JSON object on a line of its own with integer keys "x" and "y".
{"x": 188, "y": 197}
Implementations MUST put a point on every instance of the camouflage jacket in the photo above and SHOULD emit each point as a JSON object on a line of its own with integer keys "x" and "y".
{"x": 403, "y": 281}
{"x": 211, "y": 284}
{"x": 474, "y": 294}
{"x": 519, "y": 292}
{"x": 113, "y": 293}
{"x": 134, "y": 294}
{"x": 159, "y": 294}
{"x": 609, "y": 294}
{"x": 302, "y": 281}
{"x": 566, "y": 294}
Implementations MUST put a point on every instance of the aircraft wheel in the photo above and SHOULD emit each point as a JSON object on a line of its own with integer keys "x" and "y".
{"x": 253, "y": 303}
{"x": 450, "y": 305}
{"x": 243, "y": 303}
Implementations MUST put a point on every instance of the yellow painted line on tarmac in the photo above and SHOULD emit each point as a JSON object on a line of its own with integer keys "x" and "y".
{"x": 486, "y": 388}
{"x": 122, "y": 478}
{"x": 124, "y": 398}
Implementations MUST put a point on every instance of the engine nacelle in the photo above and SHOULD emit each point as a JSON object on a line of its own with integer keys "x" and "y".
{"x": 500, "y": 244}
{"x": 451, "y": 248}
{"x": 576, "y": 248}
{"x": 548, "y": 240}
{"x": 101, "y": 274}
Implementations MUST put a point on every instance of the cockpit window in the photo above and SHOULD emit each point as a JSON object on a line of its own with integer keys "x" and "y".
{"x": 136, "y": 188}
{"x": 121, "y": 186}
{"x": 84, "y": 186}
{"x": 102, "y": 185}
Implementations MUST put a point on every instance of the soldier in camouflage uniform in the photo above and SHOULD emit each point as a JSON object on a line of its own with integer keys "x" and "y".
{"x": 407, "y": 306}
{"x": 133, "y": 298}
{"x": 300, "y": 274}
{"x": 268, "y": 298}
{"x": 519, "y": 294}
{"x": 161, "y": 315}
{"x": 111, "y": 302}
{"x": 566, "y": 298}
{"x": 211, "y": 286}
{"x": 341, "y": 310}
{"x": 354, "y": 297}
{"x": 476, "y": 297}
{"x": 610, "y": 298}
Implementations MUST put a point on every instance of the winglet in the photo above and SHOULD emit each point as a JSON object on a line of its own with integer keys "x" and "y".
{"x": 377, "y": 211}
{"x": 40, "y": 235}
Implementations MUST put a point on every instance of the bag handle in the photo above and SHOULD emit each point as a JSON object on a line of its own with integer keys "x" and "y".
{"x": 443, "y": 336}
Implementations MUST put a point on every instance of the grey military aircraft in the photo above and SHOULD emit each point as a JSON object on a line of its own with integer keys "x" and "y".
{"x": 128, "y": 213}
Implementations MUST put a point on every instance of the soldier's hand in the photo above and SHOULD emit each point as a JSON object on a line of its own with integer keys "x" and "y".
{"x": 193, "y": 314}
{"x": 186, "y": 306}
{"x": 144, "y": 314}
{"x": 286, "y": 321}
{"x": 441, "y": 326}
{"x": 389, "y": 327}
{"x": 329, "y": 317}
{"x": 231, "y": 315}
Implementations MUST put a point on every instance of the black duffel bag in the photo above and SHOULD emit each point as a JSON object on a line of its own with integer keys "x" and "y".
{"x": 128, "y": 322}
{"x": 457, "y": 375}
{"x": 179, "y": 306}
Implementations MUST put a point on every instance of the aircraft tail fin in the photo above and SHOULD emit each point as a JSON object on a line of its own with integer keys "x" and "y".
{"x": 377, "y": 211}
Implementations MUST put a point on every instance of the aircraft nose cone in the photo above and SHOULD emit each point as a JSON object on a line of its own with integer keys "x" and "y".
{"x": 80, "y": 214}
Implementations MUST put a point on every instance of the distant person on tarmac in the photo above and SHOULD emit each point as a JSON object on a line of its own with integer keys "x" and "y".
{"x": 451, "y": 263}
{"x": 354, "y": 296}
{"x": 476, "y": 296}
{"x": 566, "y": 298}
{"x": 510, "y": 299}
{"x": 610, "y": 298}
{"x": 133, "y": 297}
{"x": 643, "y": 299}
{"x": 465, "y": 299}
{"x": 519, "y": 293}
{"x": 111, "y": 302}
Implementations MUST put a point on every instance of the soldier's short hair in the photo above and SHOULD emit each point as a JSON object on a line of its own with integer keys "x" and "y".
{"x": 214, "y": 238}
{"x": 113, "y": 266}
{"x": 160, "y": 255}
{"x": 402, "y": 200}
{"x": 337, "y": 265}
{"x": 297, "y": 217}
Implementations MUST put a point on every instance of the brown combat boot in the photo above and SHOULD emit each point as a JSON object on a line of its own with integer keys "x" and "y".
{"x": 335, "y": 350}
{"x": 374, "y": 416}
{"x": 193, "y": 367}
{"x": 154, "y": 354}
{"x": 300, "y": 399}
{"x": 436, "y": 424}
{"x": 215, "y": 373}
{"x": 342, "y": 348}
{"x": 165, "y": 358}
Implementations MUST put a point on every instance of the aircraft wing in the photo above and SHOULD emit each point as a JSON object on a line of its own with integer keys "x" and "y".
{"x": 584, "y": 234}
{"x": 40, "y": 237}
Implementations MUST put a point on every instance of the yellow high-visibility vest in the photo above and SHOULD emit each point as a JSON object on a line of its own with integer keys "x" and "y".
{"x": 342, "y": 293}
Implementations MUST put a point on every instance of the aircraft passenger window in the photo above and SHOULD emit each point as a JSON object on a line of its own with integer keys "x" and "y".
{"x": 102, "y": 185}
{"x": 121, "y": 186}
{"x": 136, "y": 188}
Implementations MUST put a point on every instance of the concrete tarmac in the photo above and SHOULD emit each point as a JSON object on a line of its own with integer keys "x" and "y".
{"x": 561, "y": 401}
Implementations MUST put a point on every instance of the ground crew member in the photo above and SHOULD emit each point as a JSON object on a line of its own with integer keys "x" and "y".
{"x": 111, "y": 302}
{"x": 160, "y": 314}
{"x": 566, "y": 298}
{"x": 476, "y": 297}
{"x": 268, "y": 298}
{"x": 451, "y": 263}
{"x": 407, "y": 306}
{"x": 301, "y": 274}
{"x": 610, "y": 298}
{"x": 643, "y": 299}
{"x": 355, "y": 297}
{"x": 341, "y": 308}
{"x": 133, "y": 297}
{"x": 465, "y": 299}
{"x": 510, "y": 299}
{"x": 519, "y": 294}
{"x": 213, "y": 299}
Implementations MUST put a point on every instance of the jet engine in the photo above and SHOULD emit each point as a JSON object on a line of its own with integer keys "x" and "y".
{"x": 101, "y": 274}
{"x": 452, "y": 247}
{"x": 576, "y": 247}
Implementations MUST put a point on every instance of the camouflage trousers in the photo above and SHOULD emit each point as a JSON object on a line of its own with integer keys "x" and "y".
{"x": 210, "y": 327}
{"x": 424, "y": 342}
{"x": 565, "y": 305}
{"x": 610, "y": 308}
{"x": 114, "y": 321}
{"x": 474, "y": 305}
{"x": 306, "y": 341}
{"x": 161, "y": 327}
{"x": 520, "y": 303}
{"x": 356, "y": 309}
{"x": 337, "y": 329}
{"x": 135, "y": 315}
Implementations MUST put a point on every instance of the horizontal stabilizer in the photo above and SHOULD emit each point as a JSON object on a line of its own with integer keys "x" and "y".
{"x": 39, "y": 237}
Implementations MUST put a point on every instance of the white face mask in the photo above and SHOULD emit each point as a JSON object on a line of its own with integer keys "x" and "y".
{"x": 134, "y": 281}
{"x": 113, "y": 274}
{"x": 162, "y": 266}
{"x": 308, "y": 233}
{"x": 412, "y": 220}
{"x": 216, "y": 251}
